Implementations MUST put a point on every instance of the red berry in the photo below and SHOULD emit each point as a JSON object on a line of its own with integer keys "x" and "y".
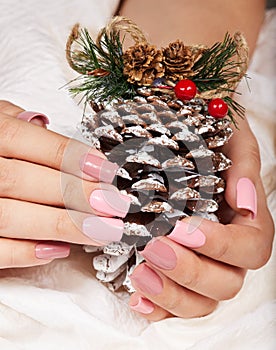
{"x": 217, "y": 108}
{"x": 185, "y": 89}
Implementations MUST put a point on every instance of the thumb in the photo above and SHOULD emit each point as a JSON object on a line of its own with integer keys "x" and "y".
{"x": 244, "y": 175}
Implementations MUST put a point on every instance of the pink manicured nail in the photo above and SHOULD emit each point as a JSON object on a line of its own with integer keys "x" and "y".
{"x": 99, "y": 168}
{"x": 146, "y": 280}
{"x": 143, "y": 305}
{"x": 246, "y": 196}
{"x": 160, "y": 255}
{"x": 103, "y": 229}
{"x": 52, "y": 250}
{"x": 110, "y": 202}
{"x": 187, "y": 235}
{"x": 33, "y": 117}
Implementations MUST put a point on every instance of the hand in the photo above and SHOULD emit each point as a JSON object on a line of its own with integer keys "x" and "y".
{"x": 50, "y": 194}
{"x": 186, "y": 274}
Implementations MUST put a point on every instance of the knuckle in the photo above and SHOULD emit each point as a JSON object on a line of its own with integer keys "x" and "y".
{"x": 172, "y": 304}
{"x": 9, "y": 131}
{"x": 68, "y": 192}
{"x": 234, "y": 288}
{"x": 209, "y": 307}
{"x": 4, "y": 105}
{"x": 263, "y": 256}
{"x": 192, "y": 277}
{"x": 61, "y": 224}
{"x": 59, "y": 153}
{"x": 7, "y": 177}
{"x": 4, "y": 216}
{"x": 11, "y": 256}
{"x": 221, "y": 250}
{"x": 253, "y": 156}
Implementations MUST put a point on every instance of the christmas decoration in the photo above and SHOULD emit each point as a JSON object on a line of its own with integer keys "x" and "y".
{"x": 217, "y": 108}
{"x": 142, "y": 64}
{"x": 185, "y": 89}
{"x": 179, "y": 60}
{"x": 161, "y": 114}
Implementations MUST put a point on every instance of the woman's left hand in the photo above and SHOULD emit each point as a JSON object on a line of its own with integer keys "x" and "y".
{"x": 189, "y": 271}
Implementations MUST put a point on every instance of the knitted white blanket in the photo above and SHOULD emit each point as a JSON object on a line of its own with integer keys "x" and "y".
{"x": 61, "y": 305}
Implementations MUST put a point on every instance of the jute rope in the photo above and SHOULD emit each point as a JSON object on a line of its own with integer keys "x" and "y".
{"x": 124, "y": 25}
{"x": 242, "y": 65}
{"x": 71, "y": 39}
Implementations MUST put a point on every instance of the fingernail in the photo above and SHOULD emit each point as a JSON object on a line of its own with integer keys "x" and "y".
{"x": 246, "y": 196}
{"x": 110, "y": 202}
{"x": 52, "y": 250}
{"x": 160, "y": 255}
{"x": 99, "y": 168}
{"x": 143, "y": 305}
{"x": 103, "y": 229}
{"x": 33, "y": 117}
{"x": 187, "y": 235}
{"x": 146, "y": 280}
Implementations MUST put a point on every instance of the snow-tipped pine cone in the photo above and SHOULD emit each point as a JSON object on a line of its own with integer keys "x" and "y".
{"x": 170, "y": 167}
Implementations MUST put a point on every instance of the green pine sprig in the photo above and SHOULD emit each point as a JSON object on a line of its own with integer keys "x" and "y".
{"x": 107, "y": 59}
{"x": 217, "y": 66}
{"x": 215, "y": 71}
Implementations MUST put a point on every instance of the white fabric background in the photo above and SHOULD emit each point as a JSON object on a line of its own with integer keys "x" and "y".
{"x": 62, "y": 306}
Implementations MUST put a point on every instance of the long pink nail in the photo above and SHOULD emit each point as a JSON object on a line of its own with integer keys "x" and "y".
{"x": 146, "y": 280}
{"x": 110, "y": 202}
{"x": 246, "y": 196}
{"x": 160, "y": 255}
{"x": 187, "y": 235}
{"x": 33, "y": 117}
{"x": 52, "y": 250}
{"x": 99, "y": 168}
{"x": 143, "y": 305}
{"x": 103, "y": 229}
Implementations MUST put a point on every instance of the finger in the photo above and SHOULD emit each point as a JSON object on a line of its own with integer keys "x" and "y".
{"x": 170, "y": 296}
{"x": 38, "y": 184}
{"x": 35, "y": 118}
{"x": 204, "y": 276}
{"x": 21, "y": 253}
{"x": 17, "y": 140}
{"x": 239, "y": 244}
{"x": 146, "y": 308}
{"x": 9, "y": 108}
{"x": 243, "y": 177}
{"x": 41, "y": 222}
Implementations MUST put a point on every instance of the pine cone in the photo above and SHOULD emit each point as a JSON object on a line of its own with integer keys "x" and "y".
{"x": 169, "y": 167}
{"x": 143, "y": 64}
{"x": 179, "y": 60}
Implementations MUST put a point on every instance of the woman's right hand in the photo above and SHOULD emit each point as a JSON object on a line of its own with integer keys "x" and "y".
{"x": 50, "y": 194}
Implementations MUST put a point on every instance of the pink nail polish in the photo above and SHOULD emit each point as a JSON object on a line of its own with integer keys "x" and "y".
{"x": 30, "y": 117}
{"x": 103, "y": 229}
{"x": 50, "y": 251}
{"x": 160, "y": 255}
{"x": 110, "y": 202}
{"x": 146, "y": 280}
{"x": 99, "y": 168}
{"x": 187, "y": 235}
{"x": 143, "y": 305}
{"x": 246, "y": 196}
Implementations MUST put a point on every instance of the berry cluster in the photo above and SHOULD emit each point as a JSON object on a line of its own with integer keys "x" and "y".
{"x": 186, "y": 90}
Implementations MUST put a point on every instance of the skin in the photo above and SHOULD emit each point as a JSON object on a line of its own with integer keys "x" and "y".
{"x": 218, "y": 272}
{"x": 40, "y": 210}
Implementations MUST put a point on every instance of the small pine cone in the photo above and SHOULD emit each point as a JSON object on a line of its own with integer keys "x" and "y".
{"x": 179, "y": 60}
{"x": 143, "y": 64}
